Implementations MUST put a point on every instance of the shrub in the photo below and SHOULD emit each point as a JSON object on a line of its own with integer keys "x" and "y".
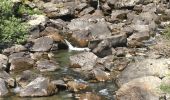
{"x": 12, "y": 29}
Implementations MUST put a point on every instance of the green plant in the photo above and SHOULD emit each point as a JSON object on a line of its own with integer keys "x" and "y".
{"x": 165, "y": 88}
{"x": 167, "y": 32}
{"x": 27, "y": 10}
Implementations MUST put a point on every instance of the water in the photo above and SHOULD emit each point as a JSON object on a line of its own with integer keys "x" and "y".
{"x": 105, "y": 89}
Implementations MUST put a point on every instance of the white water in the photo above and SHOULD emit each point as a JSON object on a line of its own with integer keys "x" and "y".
{"x": 71, "y": 48}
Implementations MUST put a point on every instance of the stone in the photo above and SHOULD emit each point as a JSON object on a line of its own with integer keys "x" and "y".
{"x": 7, "y": 78}
{"x": 3, "y": 88}
{"x": 147, "y": 67}
{"x": 47, "y": 65}
{"x": 39, "y": 87}
{"x": 39, "y": 55}
{"x": 17, "y": 55}
{"x": 101, "y": 75}
{"x": 42, "y": 44}
{"x": 86, "y": 61}
{"x": 119, "y": 15}
{"x": 21, "y": 64}
{"x": 14, "y": 49}
{"x": 81, "y": 37}
{"x": 144, "y": 88}
{"x": 37, "y": 20}
{"x": 26, "y": 77}
{"x": 76, "y": 86}
{"x": 88, "y": 10}
{"x": 3, "y": 61}
{"x": 126, "y": 3}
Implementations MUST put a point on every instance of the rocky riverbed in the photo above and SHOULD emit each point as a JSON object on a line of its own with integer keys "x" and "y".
{"x": 128, "y": 57}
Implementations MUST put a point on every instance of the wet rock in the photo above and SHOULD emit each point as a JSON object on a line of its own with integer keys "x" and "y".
{"x": 21, "y": 64}
{"x": 38, "y": 20}
{"x": 81, "y": 37}
{"x": 147, "y": 67}
{"x": 101, "y": 75}
{"x": 89, "y": 96}
{"x": 47, "y": 65}
{"x": 76, "y": 86}
{"x": 85, "y": 61}
{"x": 39, "y": 87}
{"x": 3, "y": 61}
{"x": 14, "y": 49}
{"x": 8, "y": 79}
{"x": 26, "y": 77}
{"x": 60, "y": 84}
{"x": 42, "y": 44}
{"x": 3, "y": 88}
{"x": 145, "y": 88}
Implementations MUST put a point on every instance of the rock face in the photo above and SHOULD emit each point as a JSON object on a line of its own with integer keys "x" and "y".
{"x": 42, "y": 44}
{"x": 147, "y": 67}
{"x": 39, "y": 87}
{"x": 85, "y": 61}
{"x": 47, "y": 65}
{"x": 3, "y": 88}
{"x": 145, "y": 88}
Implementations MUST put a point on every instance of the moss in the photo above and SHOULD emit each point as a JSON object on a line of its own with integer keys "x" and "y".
{"x": 165, "y": 88}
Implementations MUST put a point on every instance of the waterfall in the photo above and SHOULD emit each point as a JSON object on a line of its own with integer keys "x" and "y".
{"x": 71, "y": 48}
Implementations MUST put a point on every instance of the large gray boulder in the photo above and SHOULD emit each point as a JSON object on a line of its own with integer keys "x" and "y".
{"x": 42, "y": 44}
{"x": 145, "y": 88}
{"x": 39, "y": 87}
{"x": 147, "y": 67}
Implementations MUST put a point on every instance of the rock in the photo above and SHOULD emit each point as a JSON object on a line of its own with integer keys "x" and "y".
{"x": 144, "y": 88}
{"x": 120, "y": 52}
{"x": 139, "y": 36}
{"x": 58, "y": 23}
{"x": 119, "y": 15}
{"x": 76, "y": 86}
{"x": 8, "y": 79}
{"x": 47, "y": 65}
{"x": 42, "y": 44}
{"x": 37, "y": 20}
{"x": 60, "y": 84}
{"x": 89, "y": 96}
{"x": 40, "y": 55}
{"x": 101, "y": 75}
{"x": 26, "y": 77}
{"x": 14, "y": 49}
{"x": 17, "y": 55}
{"x": 39, "y": 87}
{"x": 21, "y": 64}
{"x": 81, "y": 37}
{"x": 3, "y": 88}
{"x": 52, "y": 33}
{"x": 85, "y": 61}
{"x": 147, "y": 67}
{"x": 81, "y": 6}
{"x": 3, "y": 61}
{"x": 126, "y": 3}
{"x": 88, "y": 10}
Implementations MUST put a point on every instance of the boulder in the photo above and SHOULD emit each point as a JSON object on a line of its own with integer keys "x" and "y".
{"x": 147, "y": 67}
{"x": 17, "y": 55}
{"x": 100, "y": 75}
{"x": 76, "y": 86}
{"x": 14, "y": 49}
{"x": 47, "y": 65}
{"x": 144, "y": 88}
{"x": 42, "y": 44}
{"x": 26, "y": 77}
{"x": 3, "y": 61}
{"x": 21, "y": 64}
{"x": 37, "y": 88}
{"x": 37, "y": 20}
{"x": 3, "y": 88}
{"x": 86, "y": 61}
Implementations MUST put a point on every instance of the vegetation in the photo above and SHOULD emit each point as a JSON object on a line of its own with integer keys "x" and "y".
{"x": 165, "y": 88}
{"x": 12, "y": 28}
{"x": 167, "y": 32}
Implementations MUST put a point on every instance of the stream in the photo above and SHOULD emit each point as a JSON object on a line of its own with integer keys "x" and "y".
{"x": 105, "y": 89}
